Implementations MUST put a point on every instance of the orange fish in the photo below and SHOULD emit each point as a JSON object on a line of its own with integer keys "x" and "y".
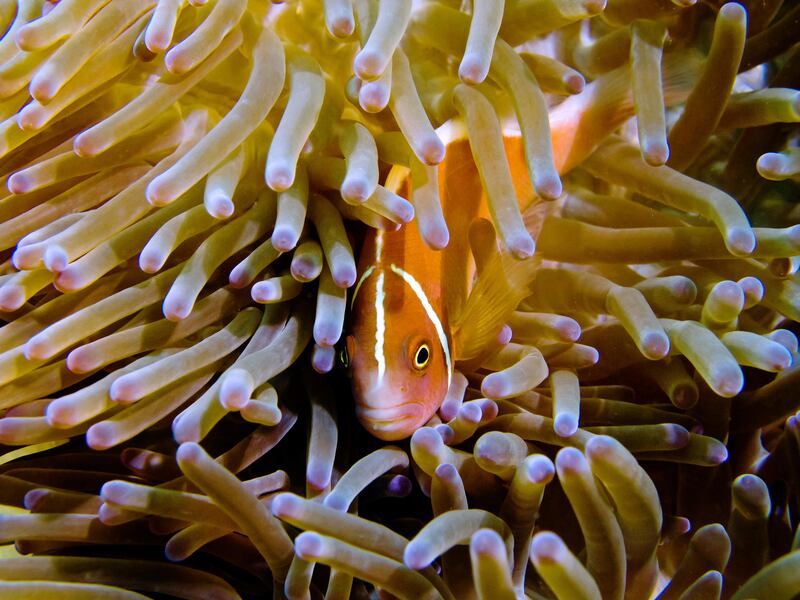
{"x": 417, "y": 311}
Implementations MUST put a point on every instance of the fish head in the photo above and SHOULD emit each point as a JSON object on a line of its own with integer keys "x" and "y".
{"x": 398, "y": 355}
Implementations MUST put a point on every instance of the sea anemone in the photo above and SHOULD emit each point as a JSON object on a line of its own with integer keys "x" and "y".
{"x": 186, "y": 188}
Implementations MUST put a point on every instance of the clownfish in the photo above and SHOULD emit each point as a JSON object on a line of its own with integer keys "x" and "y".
{"x": 416, "y": 311}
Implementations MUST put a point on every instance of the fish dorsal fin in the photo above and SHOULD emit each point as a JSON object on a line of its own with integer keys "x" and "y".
{"x": 501, "y": 285}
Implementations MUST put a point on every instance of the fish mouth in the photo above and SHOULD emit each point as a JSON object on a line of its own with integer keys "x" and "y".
{"x": 392, "y": 423}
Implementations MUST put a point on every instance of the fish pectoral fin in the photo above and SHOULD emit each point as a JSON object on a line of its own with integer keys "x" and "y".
{"x": 534, "y": 215}
{"x": 501, "y": 285}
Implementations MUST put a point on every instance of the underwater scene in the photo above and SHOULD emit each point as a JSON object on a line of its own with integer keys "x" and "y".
{"x": 417, "y": 299}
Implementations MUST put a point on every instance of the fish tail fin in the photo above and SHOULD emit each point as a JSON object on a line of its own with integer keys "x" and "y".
{"x": 501, "y": 285}
{"x": 580, "y": 123}
{"x": 679, "y": 74}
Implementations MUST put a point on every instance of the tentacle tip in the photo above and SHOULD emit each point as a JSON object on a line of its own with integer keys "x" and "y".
{"x": 176, "y": 309}
{"x": 177, "y": 62}
{"x": 19, "y": 183}
{"x": 677, "y": 436}
{"x": 489, "y": 410}
{"x": 262, "y": 292}
{"x": 189, "y": 453}
{"x": 38, "y": 347}
{"x": 31, "y": 117}
{"x": 522, "y": 246}
{"x": 71, "y": 279}
{"x": 504, "y": 335}
{"x": 84, "y": 146}
{"x": 749, "y": 484}
{"x": 107, "y": 514}
{"x": 601, "y": 446}
{"x": 741, "y": 240}
{"x": 279, "y": 175}
{"x": 432, "y": 150}
{"x": 486, "y": 542}
{"x": 43, "y": 86}
{"x": 473, "y": 68}
{"x": 318, "y": 477}
{"x": 185, "y": 430}
{"x": 685, "y": 395}
{"x": 25, "y": 38}
{"x": 239, "y": 278}
{"x": 12, "y": 297}
{"x": 284, "y": 238}
{"x": 157, "y": 41}
{"x": 426, "y": 437}
{"x": 728, "y": 382}
{"x": 25, "y": 258}
{"x": 373, "y": 97}
{"x": 55, "y": 258}
{"x": 655, "y": 345}
{"x": 771, "y": 165}
{"x": 173, "y": 554}
{"x": 309, "y": 545}
{"x": 150, "y": 262}
{"x": 326, "y": 334}
{"x": 416, "y": 555}
{"x": 33, "y": 497}
{"x": 470, "y": 412}
{"x": 355, "y": 190}
{"x": 593, "y": 7}
{"x": 655, "y": 153}
{"x": 571, "y": 331}
{"x": 286, "y": 505}
{"x": 58, "y": 415}
{"x": 219, "y": 206}
{"x": 718, "y": 454}
{"x": 304, "y": 272}
{"x": 156, "y": 192}
{"x": 565, "y": 424}
{"x": 549, "y": 186}
{"x": 547, "y": 547}
{"x": 778, "y": 358}
{"x": 341, "y": 25}
{"x": 405, "y": 212}
{"x": 539, "y": 468}
{"x": 322, "y": 359}
{"x": 234, "y": 395}
{"x": 368, "y": 65}
{"x": 733, "y": 11}
{"x": 575, "y": 83}
{"x": 447, "y": 433}
{"x": 81, "y": 361}
{"x": 446, "y": 472}
{"x": 437, "y": 238}
{"x": 399, "y": 486}
{"x": 495, "y": 386}
{"x": 100, "y": 436}
{"x": 685, "y": 291}
{"x": 124, "y": 389}
{"x": 112, "y": 491}
{"x": 570, "y": 460}
{"x": 344, "y": 276}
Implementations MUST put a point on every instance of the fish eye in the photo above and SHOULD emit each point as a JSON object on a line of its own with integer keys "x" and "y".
{"x": 422, "y": 356}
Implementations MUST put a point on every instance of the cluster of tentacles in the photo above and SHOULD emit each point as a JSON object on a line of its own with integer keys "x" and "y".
{"x": 184, "y": 184}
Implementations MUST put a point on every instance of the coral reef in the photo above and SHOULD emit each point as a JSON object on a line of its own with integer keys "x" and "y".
{"x": 185, "y": 189}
